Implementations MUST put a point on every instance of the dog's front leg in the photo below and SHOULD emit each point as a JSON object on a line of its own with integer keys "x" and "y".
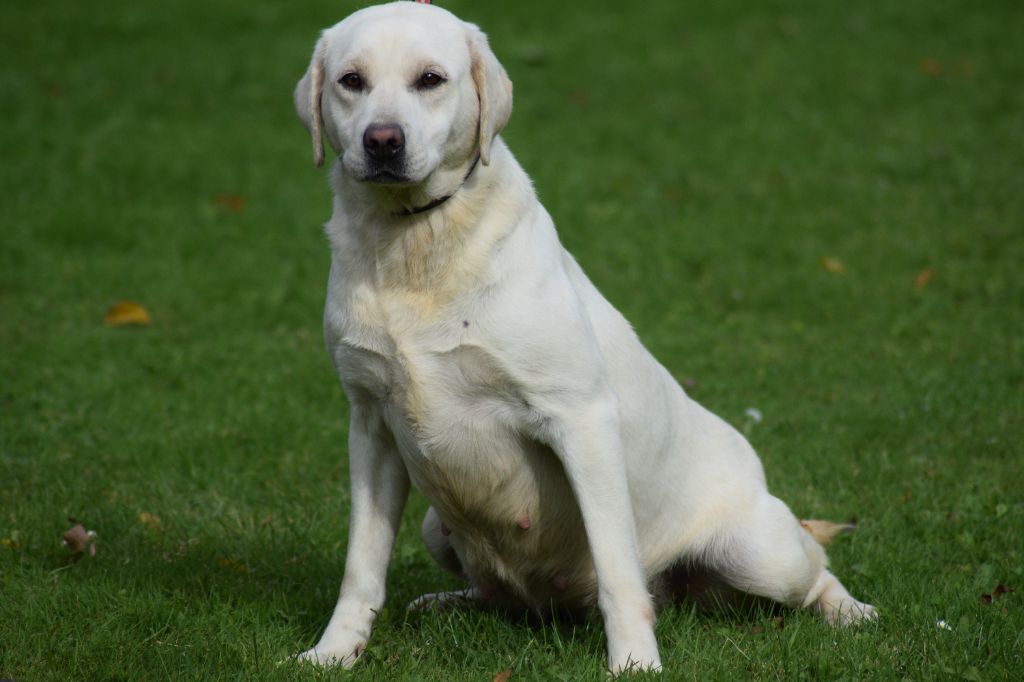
{"x": 379, "y": 488}
{"x": 588, "y": 442}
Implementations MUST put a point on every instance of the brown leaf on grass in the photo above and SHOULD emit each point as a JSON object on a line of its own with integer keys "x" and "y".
{"x": 824, "y": 531}
{"x": 922, "y": 278}
{"x": 995, "y": 594}
{"x": 151, "y": 521}
{"x": 124, "y": 313}
{"x": 79, "y": 540}
{"x": 931, "y": 67}
{"x": 230, "y": 202}
{"x": 832, "y": 265}
{"x": 503, "y": 676}
{"x": 224, "y": 562}
{"x": 674, "y": 194}
{"x": 777, "y": 623}
{"x": 965, "y": 69}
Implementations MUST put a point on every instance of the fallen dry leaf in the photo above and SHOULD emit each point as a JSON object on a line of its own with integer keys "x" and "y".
{"x": 931, "y": 67}
{"x": 124, "y": 313}
{"x": 503, "y": 676}
{"x": 833, "y": 265}
{"x": 224, "y": 562}
{"x": 824, "y": 531}
{"x": 79, "y": 540}
{"x": 995, "y": 594}
{"x": 965, "y": 69}
{"x": 922, "y": 278}
{"x": 230, "y": 202}
{"x": 151, "y": 521}
{"x": 580, "y": 97}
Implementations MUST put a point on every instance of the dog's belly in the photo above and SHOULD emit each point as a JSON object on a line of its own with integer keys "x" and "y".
{"x": 462, "y": 429}
{"x": 508, "y": 507}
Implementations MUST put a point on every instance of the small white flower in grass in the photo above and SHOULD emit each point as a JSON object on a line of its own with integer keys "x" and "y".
{"x": 754, "y": 414}
{"x": 943, "y": 625}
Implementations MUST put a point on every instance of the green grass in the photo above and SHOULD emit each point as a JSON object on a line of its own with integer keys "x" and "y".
{"x": 700, "y": 160}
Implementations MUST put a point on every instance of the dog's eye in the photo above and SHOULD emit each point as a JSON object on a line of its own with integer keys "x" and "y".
{"x": 430, "y": 80}
{"x": 352, "y": 81}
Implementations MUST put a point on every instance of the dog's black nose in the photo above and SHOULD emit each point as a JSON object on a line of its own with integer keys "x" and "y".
{"x": 383, "y": 141}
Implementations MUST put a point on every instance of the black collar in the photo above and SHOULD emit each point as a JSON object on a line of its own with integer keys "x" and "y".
{"x": 437, "y": 202}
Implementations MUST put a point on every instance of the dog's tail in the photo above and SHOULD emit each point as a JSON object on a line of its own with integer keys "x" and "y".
{"x": 824, "y": 531}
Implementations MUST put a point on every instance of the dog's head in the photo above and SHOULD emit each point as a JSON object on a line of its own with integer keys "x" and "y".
{"x": 403, "y": 90}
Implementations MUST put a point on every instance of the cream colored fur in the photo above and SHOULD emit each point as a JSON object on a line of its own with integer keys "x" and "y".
{"x": 564, "y": 465}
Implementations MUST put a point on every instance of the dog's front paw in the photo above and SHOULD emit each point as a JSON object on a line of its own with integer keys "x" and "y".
{"x": 635, "y": 664}
{"x": 329, "y": 654}
{"x": 632, "y": 647}
{"x": 638, "y": 655}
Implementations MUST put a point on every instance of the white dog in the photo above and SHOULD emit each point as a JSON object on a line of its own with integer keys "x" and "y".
{"x": 565, "y": 466}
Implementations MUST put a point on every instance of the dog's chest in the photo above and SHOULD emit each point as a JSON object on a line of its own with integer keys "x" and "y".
{"x": 455, "y": 411}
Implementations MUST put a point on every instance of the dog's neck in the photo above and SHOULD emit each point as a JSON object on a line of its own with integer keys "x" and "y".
{"x": 434, "y": 203}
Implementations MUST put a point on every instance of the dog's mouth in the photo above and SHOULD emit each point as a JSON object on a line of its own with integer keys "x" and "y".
{"x": 383, "y": 176}
{"x": 391, "y": 172}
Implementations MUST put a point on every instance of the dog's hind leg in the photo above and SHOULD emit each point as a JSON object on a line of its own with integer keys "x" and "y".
{"x": 835, "y": 604}
{"x": 771, "y": 555}
{"x": 435, "y": 537}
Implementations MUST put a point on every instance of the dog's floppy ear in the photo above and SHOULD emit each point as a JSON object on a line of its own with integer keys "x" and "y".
{"x": 308, "y": 93}
{"x": 493, "y": 89}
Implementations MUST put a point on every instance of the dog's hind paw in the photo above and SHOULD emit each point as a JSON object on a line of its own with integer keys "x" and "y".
{"x": 849, "y": 612}
{"x": 324, "y": 656}
{"x": 442, "y": 600}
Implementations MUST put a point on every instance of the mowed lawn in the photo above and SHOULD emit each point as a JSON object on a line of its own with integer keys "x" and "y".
{"x": 815, "y": 210}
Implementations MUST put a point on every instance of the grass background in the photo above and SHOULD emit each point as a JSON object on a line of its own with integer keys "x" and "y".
{"x": 700, "y": 159}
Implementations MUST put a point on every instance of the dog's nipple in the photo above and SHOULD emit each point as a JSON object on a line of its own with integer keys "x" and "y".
{"x": 523, "y": 521}
{"x": 445, "y": 530}
{"x": 561, "y": 583}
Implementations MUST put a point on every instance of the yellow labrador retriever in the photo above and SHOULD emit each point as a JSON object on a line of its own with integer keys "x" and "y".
{"x": 564, "y": 465}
